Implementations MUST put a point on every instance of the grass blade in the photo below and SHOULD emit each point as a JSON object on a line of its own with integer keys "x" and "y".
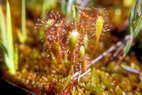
{"x": 130, "y": 69}
{"x": 138, "y": 26}
{"x": 2, "y": 48}
{"x": 24, "y": 33}
{"x": 3, "y": 27}
{"x": 136, "y": 8}
{"x": 10, "y": 44}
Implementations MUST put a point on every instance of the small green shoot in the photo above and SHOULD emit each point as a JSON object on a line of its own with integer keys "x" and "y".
{"x": 23, "y": 36}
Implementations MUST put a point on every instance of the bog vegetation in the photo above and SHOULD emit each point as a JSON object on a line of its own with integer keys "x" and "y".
{"x": 72, "y": 49}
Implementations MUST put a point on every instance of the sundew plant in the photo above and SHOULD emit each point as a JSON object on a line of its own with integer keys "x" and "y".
{"x": 68, "y": 42}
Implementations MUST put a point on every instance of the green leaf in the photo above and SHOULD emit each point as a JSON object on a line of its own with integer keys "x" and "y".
{"x": 135, "y": 22}
{"x": 138, "y": 26}
{"x": 82, "y": 51}
{"x": 24, "y": 33}
{"x": 128, "y": 46}
{"x": 136, "y": 8}
{"x": 73, "y": 39}
{"x": 129, "y": 69}
{"x": 2, "y": 48}
{"x": 131, "y": 23}
{"x": 10, "y": 44}
{"x": 3, "y": 27}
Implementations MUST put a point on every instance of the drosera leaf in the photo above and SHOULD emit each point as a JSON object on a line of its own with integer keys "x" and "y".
{"x": 99, "y": 28}
{"x": 55, "y": 47}
{"x": 85, "y": 41}
{"x": 56, "y": 50}
{"x": 73, "y": 39}
{"x": 82, "y": 51}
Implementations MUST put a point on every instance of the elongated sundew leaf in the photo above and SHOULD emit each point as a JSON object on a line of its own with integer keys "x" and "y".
{"x": 99, "y": 28}
{"x": 3, "y": 27}
{"x": 10, "y": 45}
{"x": 73, "y": 39}
{"x": 24, "y": 33}
{"x": 82, "y": 51}
{"x": 56, "y": 50}
{"x": 85, "y": 41}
